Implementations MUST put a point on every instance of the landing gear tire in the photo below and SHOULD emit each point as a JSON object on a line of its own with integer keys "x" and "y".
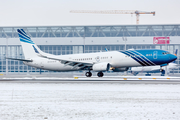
{"x": 100, "y": 74}
{"x": 148, "y": 74}
{"x": 88, "y": 74}
{"x": 163, "y": 73}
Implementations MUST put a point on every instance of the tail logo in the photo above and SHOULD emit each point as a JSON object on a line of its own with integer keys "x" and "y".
{"x": 35, "y": 49}
{"x": 24, "y": 37}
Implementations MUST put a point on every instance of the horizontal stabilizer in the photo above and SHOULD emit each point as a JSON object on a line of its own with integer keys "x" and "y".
{"x": 20, "y": 59}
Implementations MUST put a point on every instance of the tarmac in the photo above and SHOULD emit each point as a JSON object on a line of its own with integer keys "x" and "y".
{"x": 120, "y": 79}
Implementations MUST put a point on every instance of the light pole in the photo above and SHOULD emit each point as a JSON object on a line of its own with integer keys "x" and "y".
{"x": 7, "y": 54}
{"x": 84, "y": 39}
{"x": 84, "y": 43}
{"x": 125, "y": 39}
{"x": 167, "y": 50}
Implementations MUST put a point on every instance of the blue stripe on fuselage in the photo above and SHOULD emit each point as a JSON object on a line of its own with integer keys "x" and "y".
{"x": 146, "y": 57}
{"x": 143, "y": 58}
{"x": 133, "y": 57}
{"x": 150, "y": 57}
{"x": 139, "y": 57}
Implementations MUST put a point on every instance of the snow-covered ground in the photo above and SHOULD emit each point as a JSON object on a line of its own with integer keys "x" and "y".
{"x": 89, "y": 101}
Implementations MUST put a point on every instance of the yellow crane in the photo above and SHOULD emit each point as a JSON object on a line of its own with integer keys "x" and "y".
{"x": 114, "y": 12}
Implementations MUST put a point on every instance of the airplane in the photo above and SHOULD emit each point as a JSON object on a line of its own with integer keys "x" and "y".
{"x": 117, "y": 61}
{"x": 155, "y": 69}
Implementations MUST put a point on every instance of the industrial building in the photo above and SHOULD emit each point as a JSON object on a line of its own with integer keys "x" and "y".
{"x": 60, "y": 40}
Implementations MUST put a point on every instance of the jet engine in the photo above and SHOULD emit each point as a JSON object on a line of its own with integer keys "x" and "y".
{"x": 101, "y": 67}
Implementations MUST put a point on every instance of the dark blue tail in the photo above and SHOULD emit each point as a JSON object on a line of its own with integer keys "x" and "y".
{"x": 175, "y": 54}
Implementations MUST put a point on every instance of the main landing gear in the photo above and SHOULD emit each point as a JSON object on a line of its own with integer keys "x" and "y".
{"x": 89, "y": 74}
{"x": 100, "y": 74}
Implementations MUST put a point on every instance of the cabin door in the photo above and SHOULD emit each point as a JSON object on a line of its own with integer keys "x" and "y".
{"x": 155, "y": 53}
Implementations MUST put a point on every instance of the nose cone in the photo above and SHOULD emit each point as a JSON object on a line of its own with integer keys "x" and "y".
{"x": 172, "y": 57}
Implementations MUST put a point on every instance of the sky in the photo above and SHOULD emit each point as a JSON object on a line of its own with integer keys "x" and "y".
{"x": 57, "y": 12}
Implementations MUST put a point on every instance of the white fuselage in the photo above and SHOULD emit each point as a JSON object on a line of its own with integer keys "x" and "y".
{"x": 114, "y": 58}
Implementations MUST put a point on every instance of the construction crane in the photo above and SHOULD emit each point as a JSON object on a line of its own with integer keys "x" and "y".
{"x": 114, "y": 12}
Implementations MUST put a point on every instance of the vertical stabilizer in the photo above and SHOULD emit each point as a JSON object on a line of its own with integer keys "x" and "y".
{"x": 28, "y": 46}
{"x": 175, "y": 54}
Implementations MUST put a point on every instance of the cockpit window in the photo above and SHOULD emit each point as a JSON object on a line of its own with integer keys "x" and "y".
{"x": 165, "y": 53}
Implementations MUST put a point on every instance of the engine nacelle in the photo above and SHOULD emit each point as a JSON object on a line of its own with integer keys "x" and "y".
{"x": 120, "y": 69}
{"x": 101, "y": 67}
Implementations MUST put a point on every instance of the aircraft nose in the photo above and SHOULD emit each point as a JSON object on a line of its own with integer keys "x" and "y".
{"x": 172, "y": 57}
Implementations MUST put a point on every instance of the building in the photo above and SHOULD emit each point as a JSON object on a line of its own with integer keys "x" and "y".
{"x": 60, "y": 40}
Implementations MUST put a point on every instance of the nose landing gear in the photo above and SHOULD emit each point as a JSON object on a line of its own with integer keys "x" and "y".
{"x": 162, "y": 72}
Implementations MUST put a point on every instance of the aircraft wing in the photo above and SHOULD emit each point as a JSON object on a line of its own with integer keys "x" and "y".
{"x": 74, "y": 64}
{"x": 25, "y": 60}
